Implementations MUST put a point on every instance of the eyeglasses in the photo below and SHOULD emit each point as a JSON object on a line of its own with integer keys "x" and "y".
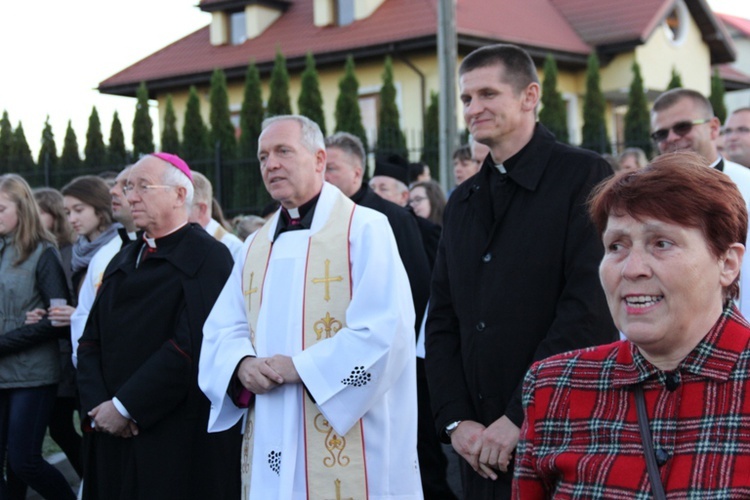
{"x": 142, "y": 189}
{"x": 680, "y": 128}
{"x": 417, "y": 200}
{"x": 738, "y": 131}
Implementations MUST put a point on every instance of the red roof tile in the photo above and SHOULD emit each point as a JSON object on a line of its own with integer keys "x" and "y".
{"x": 740, "y": 24}
{"x": 613, "y": 21}
{"x": 564, "y": 26}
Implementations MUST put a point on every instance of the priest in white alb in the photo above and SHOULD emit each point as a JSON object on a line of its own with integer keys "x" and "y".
{"x": 312, "y": 341}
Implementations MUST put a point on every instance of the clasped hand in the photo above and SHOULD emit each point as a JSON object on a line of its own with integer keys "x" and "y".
{"x": 486, "y": 449}
{"x": 107, "y": 419}
{"x": 261, "y": 375}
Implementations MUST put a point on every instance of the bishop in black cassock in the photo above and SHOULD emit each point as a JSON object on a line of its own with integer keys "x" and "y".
{"x": 140, "y": 351}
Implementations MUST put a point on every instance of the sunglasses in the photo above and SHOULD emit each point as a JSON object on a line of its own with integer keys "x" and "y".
{"x": 680, "y": 128}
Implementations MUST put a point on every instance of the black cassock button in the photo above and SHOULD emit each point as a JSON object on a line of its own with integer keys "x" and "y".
{"x": 487, "y": 257}
{"x": 661, "y": 456}
{"x": 480, "y": 326}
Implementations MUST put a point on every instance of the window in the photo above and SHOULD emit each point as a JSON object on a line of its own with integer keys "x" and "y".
{"x": 369, "y": 105}
{"x": 237, "y": 27}
{"x": 676, "y": 23}
{"x": 344, "y": 12}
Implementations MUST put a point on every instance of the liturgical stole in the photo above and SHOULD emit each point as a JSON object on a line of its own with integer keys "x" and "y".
{"x": 335, "y": 464}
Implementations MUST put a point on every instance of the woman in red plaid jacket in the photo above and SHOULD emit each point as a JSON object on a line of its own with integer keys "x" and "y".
{"x": 674, "y": 237}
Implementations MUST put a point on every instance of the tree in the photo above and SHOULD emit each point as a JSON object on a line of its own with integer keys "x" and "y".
{"x": 310, "y": 102}
{"x": 554, "y": 114}
{"x": 6, "y": 142}
{"x": 143, "y": 134}
{"x": 637, "y": 119}
{"x": 348, "y": 115}
{"x": 717, "y": 96}
{"x": 21, "y": 159}
{"x": 170, "y": 140}
{"x": 95, "y": 151}
{"x": 675, "y": 82}
{"x": 48, "y": 151}
{"x": 391, "y": 138}
{"x": 117, "y": 156}
{"x": 594, "y": 126}
{"x": 222, "y": 131}
{"x": 194, "y": 132}
{"x": 431, "y": 147}
{"x": 278, "y": 100}
{"x": 70, "y": 159}
{"x": 247, "y": 186}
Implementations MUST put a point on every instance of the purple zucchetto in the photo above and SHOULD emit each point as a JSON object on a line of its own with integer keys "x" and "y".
{"x": 175, "y": 161}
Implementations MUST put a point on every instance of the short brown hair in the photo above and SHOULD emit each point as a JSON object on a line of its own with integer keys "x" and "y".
{"x": 520, "y": 70}
{"x": 680, "y": 188}
{"x": 672, "y": 97}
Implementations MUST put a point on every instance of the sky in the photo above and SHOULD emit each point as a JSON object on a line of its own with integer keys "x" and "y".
{"x": 55, "y": 53}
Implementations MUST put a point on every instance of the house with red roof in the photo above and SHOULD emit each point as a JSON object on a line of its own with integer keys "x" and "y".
{"x": 736, "y": 74}
{"x": 658, "y": 34}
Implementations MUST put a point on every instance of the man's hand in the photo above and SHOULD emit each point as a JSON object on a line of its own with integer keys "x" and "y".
{"x": 60, "y": 315}
{"x": 107, "y": 419}
{"x": 257, "y": 376}
{"x": 284, "y": 366}
{"x": 499, "y": 440}
{"x": 467, "y": 441}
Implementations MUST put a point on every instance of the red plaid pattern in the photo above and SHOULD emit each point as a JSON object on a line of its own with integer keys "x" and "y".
{"x": 580, "y": 437}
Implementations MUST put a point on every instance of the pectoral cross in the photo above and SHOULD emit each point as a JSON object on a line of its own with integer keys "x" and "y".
{"x": 327, "y": 281}
{"x": 251, "y": 290}
{"x": 337, "y": 484}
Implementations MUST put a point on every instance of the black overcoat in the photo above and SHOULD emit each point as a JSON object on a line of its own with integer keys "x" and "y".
{"x": 141, "y": 344}
{"x": 516, "y": 280}
{"x": 410, "y": 246}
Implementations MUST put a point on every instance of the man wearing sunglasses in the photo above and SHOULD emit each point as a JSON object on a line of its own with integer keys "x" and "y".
{"x": 737, "y": 136}
{"x": 683, "y": 119}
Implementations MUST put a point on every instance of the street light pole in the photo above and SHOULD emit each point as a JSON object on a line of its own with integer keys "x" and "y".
{"x": 447, "y": 55}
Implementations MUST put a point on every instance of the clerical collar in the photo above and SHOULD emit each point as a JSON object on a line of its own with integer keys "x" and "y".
{"x": 718, "y": 164}
{"x": 151, "y": 242}
{"x": 501, "y": 168}
{"x": 288, "y": 221}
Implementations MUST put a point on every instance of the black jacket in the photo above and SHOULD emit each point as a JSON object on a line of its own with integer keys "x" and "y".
{"x": 516, "y": 280}
{"x": 410, "y": 246}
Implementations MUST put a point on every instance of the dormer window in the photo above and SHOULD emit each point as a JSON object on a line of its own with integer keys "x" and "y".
{"x": 236, "y": 21}
{"x": 237, "y": 27}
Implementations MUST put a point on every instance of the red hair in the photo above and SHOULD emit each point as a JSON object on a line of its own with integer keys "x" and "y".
{"x": 682, "y": 189}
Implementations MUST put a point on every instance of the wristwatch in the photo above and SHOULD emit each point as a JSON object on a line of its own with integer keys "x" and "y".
{"x": 450, "y": 428}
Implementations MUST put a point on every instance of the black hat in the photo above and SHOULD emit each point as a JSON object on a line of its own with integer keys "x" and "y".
{"x": 393, "y": 166}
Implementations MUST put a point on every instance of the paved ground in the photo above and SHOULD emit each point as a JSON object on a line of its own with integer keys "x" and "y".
{"x": 59, "y": 461}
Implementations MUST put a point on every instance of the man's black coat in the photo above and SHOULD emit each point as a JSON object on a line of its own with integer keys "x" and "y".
{"x": 516, "y": 280}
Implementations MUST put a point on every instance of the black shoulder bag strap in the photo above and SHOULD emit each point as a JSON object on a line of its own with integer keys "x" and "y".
{"x": 648, "y": 447}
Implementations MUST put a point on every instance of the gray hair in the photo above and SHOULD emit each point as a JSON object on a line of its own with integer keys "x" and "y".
{"x": 349, "y": 144}
{"x": 312, "y": 137}
{"x": 204, "y": 191}
{"x": 173, "y": 176}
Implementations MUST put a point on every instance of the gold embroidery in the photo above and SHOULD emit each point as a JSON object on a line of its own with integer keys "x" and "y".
{"x": 251, "y": 290}
{"x": 334, "y": 443}
{"x": 337, "y": 486}
{"x": 330, "y": 324}
{"x": 327, "y": 280}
